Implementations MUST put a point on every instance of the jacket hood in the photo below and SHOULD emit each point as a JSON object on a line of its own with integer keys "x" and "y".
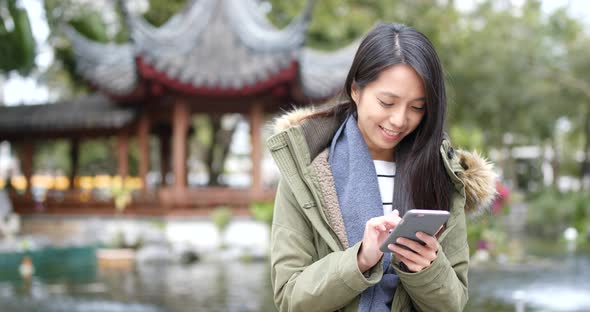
{"x": 292, "y": 118}
{"x": 477, "y": 174}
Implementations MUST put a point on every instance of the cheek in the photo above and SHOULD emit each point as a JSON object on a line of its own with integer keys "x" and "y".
{"x": 416, "y": 121}
{"x": 365, "y": 115}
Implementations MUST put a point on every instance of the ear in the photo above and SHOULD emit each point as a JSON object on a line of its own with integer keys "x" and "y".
{"x": 355, "y": 92}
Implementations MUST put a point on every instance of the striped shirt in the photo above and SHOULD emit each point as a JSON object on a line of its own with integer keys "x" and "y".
{"x": 385, "y": 176}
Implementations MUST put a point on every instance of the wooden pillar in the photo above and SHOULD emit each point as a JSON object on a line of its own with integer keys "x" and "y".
{"x": 26, "y": 161}
{"x": 256, "y": 116}
{"x": 143, "y": 135}
{"x": 180, "y": 125}
{"x": 123, "y": 154}
{"x": 74, "y": 160}
{"x": 164, "y": 156}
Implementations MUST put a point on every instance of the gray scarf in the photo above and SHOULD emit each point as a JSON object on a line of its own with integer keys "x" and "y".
{"x": 357, "y": 187}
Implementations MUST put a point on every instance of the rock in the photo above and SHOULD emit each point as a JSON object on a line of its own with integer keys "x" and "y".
{"x": 189, "y": 257}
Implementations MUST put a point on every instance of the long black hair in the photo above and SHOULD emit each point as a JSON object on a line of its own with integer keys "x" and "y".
{"x": 421, "y": 180}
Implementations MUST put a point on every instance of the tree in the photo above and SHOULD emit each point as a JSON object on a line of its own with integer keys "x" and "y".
{"x": 511, "y": 68}
{"x": 17, "y": 44}
{"x": 512, "y": 71}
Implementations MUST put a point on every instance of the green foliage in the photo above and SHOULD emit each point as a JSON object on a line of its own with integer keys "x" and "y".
{"x": 203, "y": 130}
{"x": 98, "y": 157}
{"x": 90, "y": 25}
{"x": 52, "y": 156}
{"x": 582, "y": 214}
{"x": 493, "y": 57}
{"x": 121, "y": 196}
{"x": 160, "y": 11}
{"x": 551, "y": 212}
{"x": 133, "y": 157}
{"x": 221, "y": 216}
{"x": 510, "y": 68}
{"x": 262, "y": 211}
{"x": 487, "y": 229}
{"x": 62, "y": 73}
{"x": 17, "y": 44}
{"x": 334, "y": 23}
{"x": 474, "y": 232}
{"x": 467, "y": 138}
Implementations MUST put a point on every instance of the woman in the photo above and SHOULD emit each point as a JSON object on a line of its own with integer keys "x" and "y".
{"x": 350, "y": 171}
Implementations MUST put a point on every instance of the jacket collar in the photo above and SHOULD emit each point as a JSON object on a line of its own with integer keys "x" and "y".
{"x": 467, "y": 169}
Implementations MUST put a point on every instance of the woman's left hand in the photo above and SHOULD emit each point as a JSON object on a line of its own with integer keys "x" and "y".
{"x": 420, "y": 256}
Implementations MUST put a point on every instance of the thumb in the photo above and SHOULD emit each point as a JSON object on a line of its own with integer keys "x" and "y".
{"x": 396, "y": 212}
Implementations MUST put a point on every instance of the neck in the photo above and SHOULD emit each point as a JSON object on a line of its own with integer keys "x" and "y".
{"x": 386, "y": 156}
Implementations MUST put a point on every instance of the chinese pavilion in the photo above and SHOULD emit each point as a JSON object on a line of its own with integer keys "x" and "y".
{"x": 214, "y": 57}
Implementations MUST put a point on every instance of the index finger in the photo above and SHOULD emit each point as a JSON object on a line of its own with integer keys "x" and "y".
{"x": 430, "y": 241}
{"x": 389, "y": 221}
{"x": 392, "y": 219}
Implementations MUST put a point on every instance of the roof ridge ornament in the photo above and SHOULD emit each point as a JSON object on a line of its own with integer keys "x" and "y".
{"x": 255, "y": 30}
{"x": 214, "y": 48}
{"x": 179, "y": 33}
{"x": 110, "y": 65}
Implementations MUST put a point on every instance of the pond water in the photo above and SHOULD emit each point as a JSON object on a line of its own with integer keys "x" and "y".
{"x": 560, "y": 283}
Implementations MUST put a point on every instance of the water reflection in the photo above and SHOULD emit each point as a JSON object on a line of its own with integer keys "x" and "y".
{"x": 558, "y": 284}
{"x": 560, "y": 281}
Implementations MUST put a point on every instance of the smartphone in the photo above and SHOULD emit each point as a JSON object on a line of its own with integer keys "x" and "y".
{"x": 416, "y": 220}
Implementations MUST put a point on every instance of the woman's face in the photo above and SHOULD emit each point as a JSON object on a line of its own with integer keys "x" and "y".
{"x": 389, "y": 109}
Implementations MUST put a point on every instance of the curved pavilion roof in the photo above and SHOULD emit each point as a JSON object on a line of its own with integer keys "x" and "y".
{"x": 214, "y": 48}
{"x": 96, "y": 113}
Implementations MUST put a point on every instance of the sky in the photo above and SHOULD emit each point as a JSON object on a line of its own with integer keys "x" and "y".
{"x": 17, "y": 90}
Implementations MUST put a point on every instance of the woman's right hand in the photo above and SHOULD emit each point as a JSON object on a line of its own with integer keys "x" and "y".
{"x": 376, "y": 231}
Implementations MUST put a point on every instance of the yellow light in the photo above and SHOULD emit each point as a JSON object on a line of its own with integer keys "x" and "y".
{"x": 42, "y": 181}
{"x": 133, "y": 183}
{"x": 61, "y": 183}
{"x": 116, "y": 182}
{"x": 102, "y": 181}
{"x": 85, "y": 182}
{"x": 19, "y": 182}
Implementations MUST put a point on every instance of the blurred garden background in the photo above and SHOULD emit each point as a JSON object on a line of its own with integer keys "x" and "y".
{"x": 106, "y": 226}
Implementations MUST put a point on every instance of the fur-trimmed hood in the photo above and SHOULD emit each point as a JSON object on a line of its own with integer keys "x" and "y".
{"x": 477, "y": 174}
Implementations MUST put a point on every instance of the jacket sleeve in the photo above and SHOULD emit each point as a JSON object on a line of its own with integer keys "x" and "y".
{"x": 443, "y": 285}
{"x": 302, "y": 281}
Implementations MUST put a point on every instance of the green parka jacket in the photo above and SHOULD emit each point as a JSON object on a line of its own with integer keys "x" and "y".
{"x": 312, "y": 266}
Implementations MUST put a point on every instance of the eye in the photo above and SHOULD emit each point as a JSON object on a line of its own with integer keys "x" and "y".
{"x": 418, "y": 108}
{"x": 385, "y": 104}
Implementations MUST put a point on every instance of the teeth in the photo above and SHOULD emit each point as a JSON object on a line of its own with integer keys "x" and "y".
{"x": 390, "y": 132}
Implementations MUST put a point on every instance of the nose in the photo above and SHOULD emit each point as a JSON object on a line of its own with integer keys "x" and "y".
{"x": 398, "y": 117}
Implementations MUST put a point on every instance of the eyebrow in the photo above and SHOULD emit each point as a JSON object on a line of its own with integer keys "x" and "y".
{"x": 393, "y": 95}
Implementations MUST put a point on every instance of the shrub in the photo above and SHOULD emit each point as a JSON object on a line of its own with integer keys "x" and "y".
{"x": 221, "y": 216}
{"x": 262, "y": 211}
{"x": 551, "y": 212}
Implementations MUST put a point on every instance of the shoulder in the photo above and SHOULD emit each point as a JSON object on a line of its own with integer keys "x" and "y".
{"x": 307, "y": 131}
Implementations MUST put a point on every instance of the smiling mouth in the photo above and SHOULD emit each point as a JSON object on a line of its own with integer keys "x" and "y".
{"x": 389, "y": 132}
